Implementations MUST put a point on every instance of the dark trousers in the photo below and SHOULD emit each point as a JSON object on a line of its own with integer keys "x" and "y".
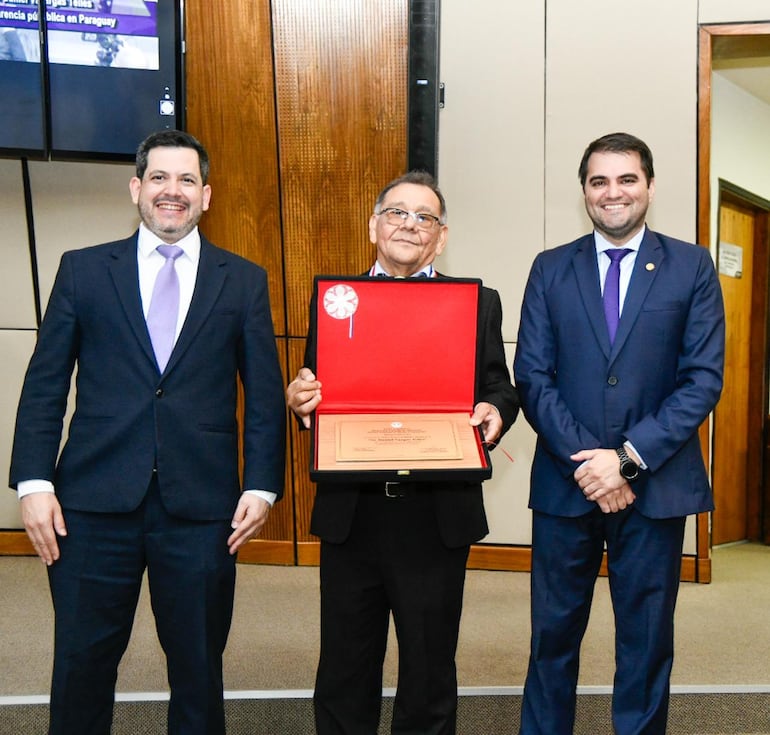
{"x": 644, "y": 561}
{"x": 393, "y": 562}
{"x": 95, "y": 587}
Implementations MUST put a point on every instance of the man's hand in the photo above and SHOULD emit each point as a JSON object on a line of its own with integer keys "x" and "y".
{"x": 43, "y": 519}
{"x": 599, "y": 472}
{"x": 488, "y": 417}
{"x": 616, "y": 500}
{"x": 249, "y": 517}
{"x": 600, "y": 480}
{"x": 303, "y": 395}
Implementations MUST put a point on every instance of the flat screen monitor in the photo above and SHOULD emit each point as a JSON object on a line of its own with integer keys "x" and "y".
{"x": 22, "y": 94}
{"x": 112, "y": 72}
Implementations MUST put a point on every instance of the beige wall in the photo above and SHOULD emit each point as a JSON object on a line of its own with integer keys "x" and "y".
{"x": 491, "y": 142}
{"x": 75, "y": 205}
{"x": 721, "y": 11}
{"x": 491, "y": 153}
{"x": 17, "y": 316}
{"x": 740, "y": 144}
{"x": 528, "y": 85}
{"x": 621, "y": 66}
{"x": 17, "y": 306}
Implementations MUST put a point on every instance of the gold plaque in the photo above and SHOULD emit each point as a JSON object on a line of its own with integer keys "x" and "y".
{"x": 396, "y": 441}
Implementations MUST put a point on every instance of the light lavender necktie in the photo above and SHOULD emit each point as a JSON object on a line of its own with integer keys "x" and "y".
{"x": 164, "y": 306}
{"x": 611, "y": 295}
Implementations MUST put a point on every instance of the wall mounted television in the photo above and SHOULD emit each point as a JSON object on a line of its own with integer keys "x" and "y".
{"x": 88, "y": 79}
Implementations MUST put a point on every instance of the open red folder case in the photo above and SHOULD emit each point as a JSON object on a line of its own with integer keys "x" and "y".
{"x": 397, "y": 361}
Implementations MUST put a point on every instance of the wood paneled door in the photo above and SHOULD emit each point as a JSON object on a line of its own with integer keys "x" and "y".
{"x": 739, "y": 419}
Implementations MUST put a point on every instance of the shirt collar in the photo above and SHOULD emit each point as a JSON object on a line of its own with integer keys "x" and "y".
{"x": 378, "y": 270}
{"x": 147, "y": 242}
{"x": 602, "y": 243}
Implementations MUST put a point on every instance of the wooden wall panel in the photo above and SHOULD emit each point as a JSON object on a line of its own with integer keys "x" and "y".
{"x": 231, "y": 108}
{"x": 280, "y": 524}
{"x": 304, "y": 489}
{"x": 341, "y": 71}
{"x": 323, "y": 82}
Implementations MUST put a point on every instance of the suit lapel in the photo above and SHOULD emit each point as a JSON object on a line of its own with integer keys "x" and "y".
{"x": 124, "y": 272}
{"x": 587, "y": 274}
{"x": 209, "y": 282}
{"x": 646, "y": 267}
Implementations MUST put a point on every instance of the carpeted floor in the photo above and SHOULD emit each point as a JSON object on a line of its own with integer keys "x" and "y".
{"x": 723, "y": 637}
{"x": 690, "y": 714}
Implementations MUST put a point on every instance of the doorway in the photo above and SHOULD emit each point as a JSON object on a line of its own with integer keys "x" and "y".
{"x": 739, "y": 443}
{"x": 740, "y": 417}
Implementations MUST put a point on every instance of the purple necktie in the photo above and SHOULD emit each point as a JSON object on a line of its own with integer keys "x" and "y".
{"x": 611, "y": 295}
{"x": 164, "y": 306}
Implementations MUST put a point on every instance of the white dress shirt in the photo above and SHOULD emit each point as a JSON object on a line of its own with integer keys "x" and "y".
{"x": 150, "y": 261}
{"x": 626, "y": 263}
{"x": 378, "y": 270}
{"x": 626, "y": 267}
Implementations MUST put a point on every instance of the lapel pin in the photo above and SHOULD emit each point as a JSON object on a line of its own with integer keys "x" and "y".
{"x": 650, "y": 266}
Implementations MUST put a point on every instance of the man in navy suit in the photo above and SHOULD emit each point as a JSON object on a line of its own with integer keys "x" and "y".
{"x": 618, "y": 459}
{"x": 149, "y": 475}
{"x": 401, "y": 548}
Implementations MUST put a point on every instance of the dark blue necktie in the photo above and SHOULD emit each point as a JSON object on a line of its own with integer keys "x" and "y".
{"x": 611, "y": 295}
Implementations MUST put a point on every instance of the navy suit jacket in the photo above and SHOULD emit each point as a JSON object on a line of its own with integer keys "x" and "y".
{"x": 129, "y": 418}
{"x": 653, "y": 387}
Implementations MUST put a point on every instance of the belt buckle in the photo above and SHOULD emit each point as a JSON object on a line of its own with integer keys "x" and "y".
{"x": 394, "y": 490}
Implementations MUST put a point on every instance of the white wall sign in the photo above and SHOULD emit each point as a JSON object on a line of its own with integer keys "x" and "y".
{"x": 730, "y": 260}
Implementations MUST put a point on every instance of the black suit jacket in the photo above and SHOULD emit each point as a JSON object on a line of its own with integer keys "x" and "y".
{"x": 128, "y": 417}
{"x": 459, "y": 505}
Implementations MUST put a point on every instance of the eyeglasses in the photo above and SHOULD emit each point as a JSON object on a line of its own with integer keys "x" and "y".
{"x": 422, "y": 220}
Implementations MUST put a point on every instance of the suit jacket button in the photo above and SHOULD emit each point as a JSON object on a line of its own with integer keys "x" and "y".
{"x": 612, "y": 380}
{"x": 159, "y": 392}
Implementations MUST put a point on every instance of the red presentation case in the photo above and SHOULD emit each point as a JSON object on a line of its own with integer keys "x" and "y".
{"x": 394, "y": 355}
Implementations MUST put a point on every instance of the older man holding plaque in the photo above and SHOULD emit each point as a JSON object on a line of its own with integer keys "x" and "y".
{"x": 401, "y": 548}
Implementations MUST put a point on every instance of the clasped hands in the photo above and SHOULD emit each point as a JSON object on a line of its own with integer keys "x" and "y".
{"x": 303, "y": 395}
{"x": 600, "y": 480}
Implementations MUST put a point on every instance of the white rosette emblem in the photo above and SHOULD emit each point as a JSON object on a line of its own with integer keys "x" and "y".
{"x": 341, "y": 302}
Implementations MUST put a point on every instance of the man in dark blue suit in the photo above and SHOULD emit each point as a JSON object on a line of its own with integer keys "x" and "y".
{"x": 618, "y": 362}
{"x": 149, "y": 475}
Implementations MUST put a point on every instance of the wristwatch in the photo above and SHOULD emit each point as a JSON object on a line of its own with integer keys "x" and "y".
{"x": 629, "y": 470}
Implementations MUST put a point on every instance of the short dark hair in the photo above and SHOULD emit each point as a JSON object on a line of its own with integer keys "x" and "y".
{"x": 171, "y": 139}
{"x": 421, "y": 178}
{"x": 618, "y": 143}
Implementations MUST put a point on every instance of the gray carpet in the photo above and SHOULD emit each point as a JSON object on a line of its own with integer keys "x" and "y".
{"x": 723, "y": 646}
{"x": 690, "y": 714}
